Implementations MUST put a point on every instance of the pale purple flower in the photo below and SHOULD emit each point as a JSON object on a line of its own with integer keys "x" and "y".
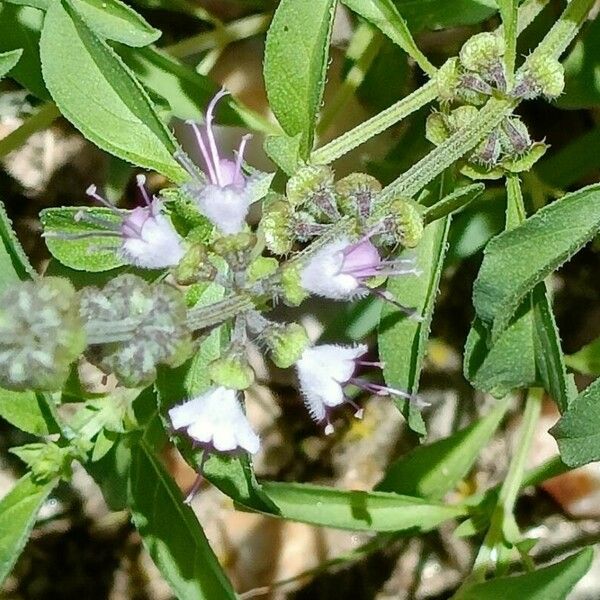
{"x": 216, "y": 420}
{"x": 224, "y": 199}
{"x": 341, "y": 269}
{"x": 147, "y": 238}
{"x": 324, "y": 371}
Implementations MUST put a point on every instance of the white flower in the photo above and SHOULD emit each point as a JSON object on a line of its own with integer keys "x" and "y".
{"x": 323, "y": 371}
{"x": 216, "y": 418}
{"x": 225, "y": 207}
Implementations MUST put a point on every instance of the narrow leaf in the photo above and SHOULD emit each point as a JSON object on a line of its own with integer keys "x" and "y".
{"x": 99, "y": 94}
{"x": 357, "y": 510}
{"x": 548, "y": 583}
{"x": 431, "y": 470}
{"x": 171, "y": 533}
{"x": 403, "y": 341}
{"x": 586, "y": 360}
{"x": 18, "y": 511}
{"x": 384, "y": 15}
{"x": 296, "y": 54}
{"x": 517, "y": 260}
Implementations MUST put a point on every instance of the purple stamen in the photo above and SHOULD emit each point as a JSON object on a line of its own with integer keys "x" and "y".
{"x": 141, "y": 184}
{"x": 205, "y": 155}
{"x": 92, "y": 192}
{"x": 209, "y": 133}
{"x": 367, "y": 363}
{"x": 385, "y": 295}
{"x": 240, "y": 155}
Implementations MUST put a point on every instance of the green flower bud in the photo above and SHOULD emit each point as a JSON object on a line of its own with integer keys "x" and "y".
{"x": 232, "y": 371}
{"x": 276, "y": 225}
{"x": 437, "y": 130}
{"x": 41, "y": 334}
{"x": 194, "y": 266}
{"x": 356, "y": 194}
{"x": 286, "y": 342}
{"x": 447, "y": 79}
{"x": 47, "y": 461}
{"x": 462, "y": 117}
{"x": 402, "y": 224}
{"x": 312, "y": 187}
{"x": 293, "y": 292}
{"x": 487, "y": 153}
{"x": 261, "y": 267}
{"x": 235, "y": 249}
{"x": 483, "y": 54}
{"x": 543, "y": 75}
{"x": 514, "y": 137}
{"x": 154, "y": 319}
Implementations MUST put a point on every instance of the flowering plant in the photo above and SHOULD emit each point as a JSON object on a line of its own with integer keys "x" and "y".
{"x": 182, "y": 294}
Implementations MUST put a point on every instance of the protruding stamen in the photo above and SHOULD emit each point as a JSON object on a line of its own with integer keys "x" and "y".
{"x": 329, "y": 428}
{"x": 359, "y": 412}
{"x": 194, "y": 489}
{"x": 141, "y": 183}
{"x": 385, "y": 295}
{"x": 205, "y": 154}
{"x": 240, "y": 155}
{"x": 92, "y": 192}
{"x": 367, "y": 363}
{"x": 210, "y": 135}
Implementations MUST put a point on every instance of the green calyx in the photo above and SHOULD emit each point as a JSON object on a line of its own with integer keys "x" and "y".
{"x": 41, "y": 334}
{"x": 276, "y": 226}
{"x": 195, "y": 266}
{"x": 232, "y": 371}
{"x": 293, "y": 292}
{"x": 356, "y": 194}
{"x": 287, "y": 343}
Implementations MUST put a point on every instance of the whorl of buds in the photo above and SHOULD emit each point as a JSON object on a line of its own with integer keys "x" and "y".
{"x": 286, "y": 343}
{"x": 41, "y": 334}
{"x": 46, "y": 461}
{"x": 153, "y": 318}
{"x": 543, "y": 76}
{"x": 356, "y": 194}
{"x": 232, "y": 370}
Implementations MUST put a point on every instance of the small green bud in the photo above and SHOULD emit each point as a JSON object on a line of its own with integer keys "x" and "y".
{"x": 403, "y": 224}
{"x": 194, "y": 266}
{"x": 232, "y": 371}
{"x": 235, "y": 249}
{"x": 276, "y": 224}
{"x": 487, "y": 153}
{"x": 41, "y": 334}
{"x": 47, "y": 461}
{"x": 261, "y": 267}
{"x": 543, "y": 75}
{"x": 286, "y": 342}
{"x": 356, "y": 194}
{"x": 462, "y": 117}
{"x": 514, "y": 137}
{"x": 436, "y": 128}
{"x": 307, "y": 181}
{"x": 154, "y": 316}
{"x": 447, "y": 79}
{"x": 293, "y": 292}
{"x": 482, "y": 53}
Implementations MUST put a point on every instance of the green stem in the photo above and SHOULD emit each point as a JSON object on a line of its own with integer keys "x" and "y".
{"x": 375, "y": 125}
{"x": 219, "y": 312}
{"x": 221, "y": 36}
{"x": 452, "y": 202}
{"x": 502, "y": 516}
{"x": 39, "y": 121}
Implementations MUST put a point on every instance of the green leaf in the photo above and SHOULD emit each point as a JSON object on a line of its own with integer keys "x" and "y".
{"x": 96, "y": 91}
{"x": 586, "y": 360}
{"x": 8, "y": 60}
{"x": 284, "y": 151}
{"x": 516, "y": 260}
{"x": 431, "y": 470}
{"x": 28, "y": 411}
{"x": 357, "y": 510}
{"x": 20, "y": 28}
{"x": 94, "y": 253}
{"x": 548, "y": 583}
{"x": 578, "y": 431}
{"x": 14, "y": 264}
{"x": 171, "y": 533}
{"x": 113, "y": 20}
{"x": 18, "y": 511}
{"x": 403, "y": 341}
{"x": 295, "y": 64}
{"x": 383, "y": 14}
